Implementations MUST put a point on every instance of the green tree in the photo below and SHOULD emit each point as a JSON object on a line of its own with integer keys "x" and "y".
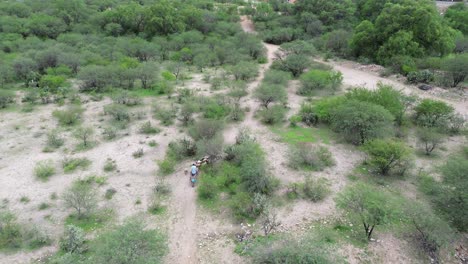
{"x": 367, "y": 204}
{"x": 84, "y": 134}
{"x": 129, "y": 243}
{"x": 45, "y": 26}
{"x": 81, "y": 196}
{"x": 147, "y": 74}
{"x": 456, "y": 68}
{"x": 429, "y": 138}
{"x": 332, "y": 14}
{"x": 361, "y": 121}
{"x": 244, "y": 70}
{"x": 432, "y": 113}
{"x": 457, "y": 17}
{"x": 163, "y": 18}
{"x": 270, "y": 93}
{"x": 386, "y": 155}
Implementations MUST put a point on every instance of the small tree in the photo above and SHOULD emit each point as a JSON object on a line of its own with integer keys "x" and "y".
{"x": 429, "y": 231}
{"x": 367, "y": 204}
{"x": 430, "y": 138}
{"x": 73, "y": 240}
{"x": 432, "y": 113}
{"x": 81, "y": 196}
{"x": 386, "y": 154}
{"x": 84, "y": 134}
{"x": 270, "y": 93}
{"x": 361, "y": 121}
{"x": 244, "y": 70}
{"x": 456, "y": 68}
{"x": 314, "y": 80}
{"x": 6, "y": 97}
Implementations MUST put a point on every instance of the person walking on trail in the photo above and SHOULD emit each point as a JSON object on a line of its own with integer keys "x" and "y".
{"x": 194, "y": 170}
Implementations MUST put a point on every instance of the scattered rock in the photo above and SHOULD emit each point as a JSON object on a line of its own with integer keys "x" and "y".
{"x": 425, "y": 87}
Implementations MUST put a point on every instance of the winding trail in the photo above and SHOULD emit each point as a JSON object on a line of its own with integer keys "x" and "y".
{"x": 182, "y": 228}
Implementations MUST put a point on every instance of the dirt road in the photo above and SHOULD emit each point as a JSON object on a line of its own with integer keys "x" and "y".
{"x": 355, "y": 77}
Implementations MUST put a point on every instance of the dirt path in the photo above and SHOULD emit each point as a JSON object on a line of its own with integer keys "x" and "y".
{"x": 182, "y": 228}
{"x": 356, "y": 77}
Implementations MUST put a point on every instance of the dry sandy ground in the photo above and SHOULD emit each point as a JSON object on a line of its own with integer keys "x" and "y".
{"x": 195, "y": 236}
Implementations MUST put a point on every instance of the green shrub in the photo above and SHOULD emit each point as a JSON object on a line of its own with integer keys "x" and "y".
{"x": 6, "y": 97}
{"x": 432, "y": 113}
{"x": 308, "y": 115}
{"x": 138, "y": 153}
{"x": 54, "y": 140}
{"x": 449, "y": 196}
{"x": 109, "y": 133}
{"x": 183, "y": 148}
{"x": 125, "y": 98}
{"x": 241, "y": 205}
{"x": 273, "y": 115}
{"x": 276, "y": 77}
{"x": 147, "y": 128}
{"x": 429, "y": 138}
{"x": 213, "y": 148}
{"x": 310, "y": 157}
{"x": 81, "y": 196}
{"x": 423, "y": 76}
{"x": 165, "y": 115}
{"x": 318, "y": 80}
{"x": 206, "y": 129}
{"x": 84, "y": 134}
{"x": 43, "y": 206}
{"x": 367, "y": 205}
{"x": 294, "y": 120}
{"x": 387, "y": 155}
{"x": 270, "y": 93}
{"x": 207, "y": 190}
{"x": 71, "y": 164}
{"x": 293, "y": 251}
{"x": 324, "y": 108}
{"x": 118, "y": 112}
{"x": 73, "y": 240}
{"x": 167, "y": 166}
{"x": 44, "y": 169}
{"x": 51, "y": 82}
{"x": 110, "y": 165}
{"x": 11, "y": 235}
{"x": 70, "y": 116}
{"x": 129, "y": 243}
{"x": 215, "y": 110}
{"x": 255, "y": 177}
{"x": 110, "y": 193}
{"x": 361, "y": 121}
{"x": 316, "y": 189}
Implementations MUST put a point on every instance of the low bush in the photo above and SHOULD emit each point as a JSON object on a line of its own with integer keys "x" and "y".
{"x": 44, "y": 169}
{"x": 429, "y": 138}
{"x": 110, "y": 193}
{"x": 316, "y": 189}
{"x": 73, "y": 240}
{"x": 308, "y": 115}
{"x": 118, "y": 112}
{"x": 81, "y": 196}
{"x": 109, "y": 133}
{"x": 6, "y": 98}
{"x": 449, "y": 196}
{"x": 213, "y": 148}
{"x": 314, "y": 80}
{"x": 183, "y": 148}
{"x": 10, "y": 231}
{"x": 432, "y": 113}
{"x": 71, "y": 164}
{"x": 273, "y": 115}
{"x": 423, "y": 76}
{"x": 110, "y": 165}
{"x": 125, "y": 98}
{"x": 85, "y": 135}
{"x": 215, "y": 110}
{"x": 54, "y": 140}
{"x": 148, "y": 129}
{"x": 167, "y": 166}
{"x": 325, "y": 107}
{"x": 310, "y": 157}
{"x": 129, "y": 243}
{"x": 70, "y": 116}
{"x": 206, "y": 129}
{"x": 138, "y": 153}
{"x": 387, "y": 155}
{"x": 165, "y": 115}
